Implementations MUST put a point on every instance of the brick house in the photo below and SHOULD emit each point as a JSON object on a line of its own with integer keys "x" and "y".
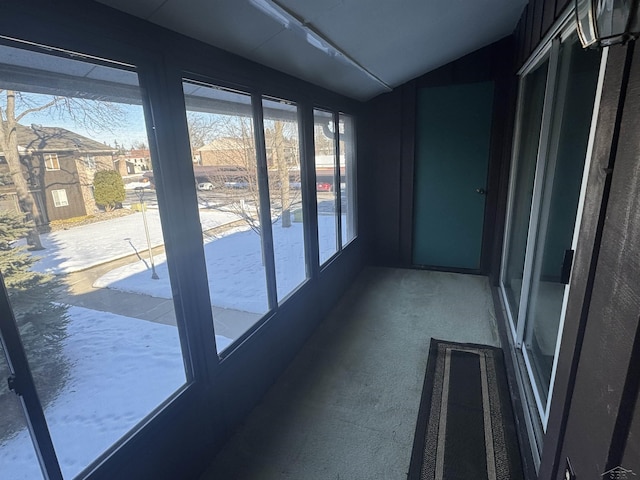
{"x": 132, "y": 162}
{"x": 233, "y": 158}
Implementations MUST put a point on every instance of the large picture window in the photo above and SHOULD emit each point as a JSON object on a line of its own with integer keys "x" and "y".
{"x": 282, "y": 144}
{"x": 327, "y": 187}
{"x": 225, "y": 167}
{"x": 348, "y": 192}
{"x": 90, "y": 283}
{"x": 86, "y": 296}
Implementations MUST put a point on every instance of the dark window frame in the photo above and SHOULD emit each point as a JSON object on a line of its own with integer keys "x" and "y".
{"x": 159, "y": 67}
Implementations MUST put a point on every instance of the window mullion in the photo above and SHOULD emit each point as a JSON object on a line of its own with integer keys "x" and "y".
{"x": 336, "y": 179}
{"x": 308, "y": 180}
{"x": 183, "y": 243}
{"x": 266, "y": 233}
{"x": 351, "y": 177}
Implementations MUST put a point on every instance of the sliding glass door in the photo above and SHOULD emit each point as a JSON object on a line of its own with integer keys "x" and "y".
{"x": 555, "y": 118}
{"x": 553, "y": 251}
{"x": 533, "y": 88}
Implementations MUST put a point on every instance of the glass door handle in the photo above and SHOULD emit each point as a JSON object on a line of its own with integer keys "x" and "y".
{"x": 481, "y": 191}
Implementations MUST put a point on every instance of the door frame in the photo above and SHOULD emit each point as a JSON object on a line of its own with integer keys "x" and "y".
{"x": 538, "y": 412}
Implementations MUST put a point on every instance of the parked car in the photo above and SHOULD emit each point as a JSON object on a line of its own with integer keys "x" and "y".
{"x": 205, "y": 186}
{"x": 324, "y": 187}
{"x": 236, "y": 184}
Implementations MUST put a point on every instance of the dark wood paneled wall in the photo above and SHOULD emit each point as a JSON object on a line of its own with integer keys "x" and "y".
{"x": 594, "y": 412}
{"x": 586, "y": 253}
{"x": 383, "y": 150}
{"x": 536, "y": 20}
{"x": 390, "y": 143}
{"x": 596, "y": 391}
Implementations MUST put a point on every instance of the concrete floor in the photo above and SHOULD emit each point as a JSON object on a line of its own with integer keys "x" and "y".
{"x": 346, "y": 407}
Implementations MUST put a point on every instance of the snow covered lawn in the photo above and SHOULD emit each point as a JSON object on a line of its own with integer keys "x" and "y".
{"x": 235, "y": 270}
{"x": 89, "y": 245}
{"x": 104, "y": 395}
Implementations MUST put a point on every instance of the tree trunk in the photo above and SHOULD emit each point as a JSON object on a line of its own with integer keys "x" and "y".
{"x": 9, "y": 144}
{"x": 283, "y": 174}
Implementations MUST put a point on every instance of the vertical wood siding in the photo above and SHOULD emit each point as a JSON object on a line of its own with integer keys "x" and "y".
{"x": 389, "y": 143}
{"x": 592, "y": 397}
{"x": 601, "y": 385}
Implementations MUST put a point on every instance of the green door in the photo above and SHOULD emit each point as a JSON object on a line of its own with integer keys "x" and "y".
{"x": 452, "y": 157}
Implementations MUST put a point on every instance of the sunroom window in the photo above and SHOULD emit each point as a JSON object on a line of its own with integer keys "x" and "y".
{"x": 90, "y": 293}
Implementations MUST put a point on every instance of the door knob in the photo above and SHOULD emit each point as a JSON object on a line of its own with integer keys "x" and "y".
{"x": 481, "y": 191}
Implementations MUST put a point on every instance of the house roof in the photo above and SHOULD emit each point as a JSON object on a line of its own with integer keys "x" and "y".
{"x": 57, "y": 139}
{"x": 138, "y": 153}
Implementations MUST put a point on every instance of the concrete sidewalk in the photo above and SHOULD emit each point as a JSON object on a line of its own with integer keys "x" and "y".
{"x": 80, "y": 292}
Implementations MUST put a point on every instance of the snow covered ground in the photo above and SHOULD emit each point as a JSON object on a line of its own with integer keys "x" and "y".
{"x": 104, "y": 396}
{"x": 234, "y": 264}
{"x": 134, "y": 185}
{"x": 89, "y": 245}
{"x": 236, "y": 274}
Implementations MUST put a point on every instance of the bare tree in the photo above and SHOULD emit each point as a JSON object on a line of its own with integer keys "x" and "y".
{"x": 224, "y": 147}
{"x": 276, "y": 147}
{"x": 91, "y": 114}
{"x": 139, "y": 145}
{"x": 203, "y": 129}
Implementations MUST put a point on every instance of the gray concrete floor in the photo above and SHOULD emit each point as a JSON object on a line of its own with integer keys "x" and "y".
{"x": 346, "y": 407}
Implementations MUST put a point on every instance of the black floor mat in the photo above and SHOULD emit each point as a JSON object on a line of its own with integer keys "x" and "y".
{"x": 465, "y": 426}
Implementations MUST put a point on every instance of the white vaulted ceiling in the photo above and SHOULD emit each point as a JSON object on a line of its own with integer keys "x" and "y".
{"x": 392, "y": 40}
